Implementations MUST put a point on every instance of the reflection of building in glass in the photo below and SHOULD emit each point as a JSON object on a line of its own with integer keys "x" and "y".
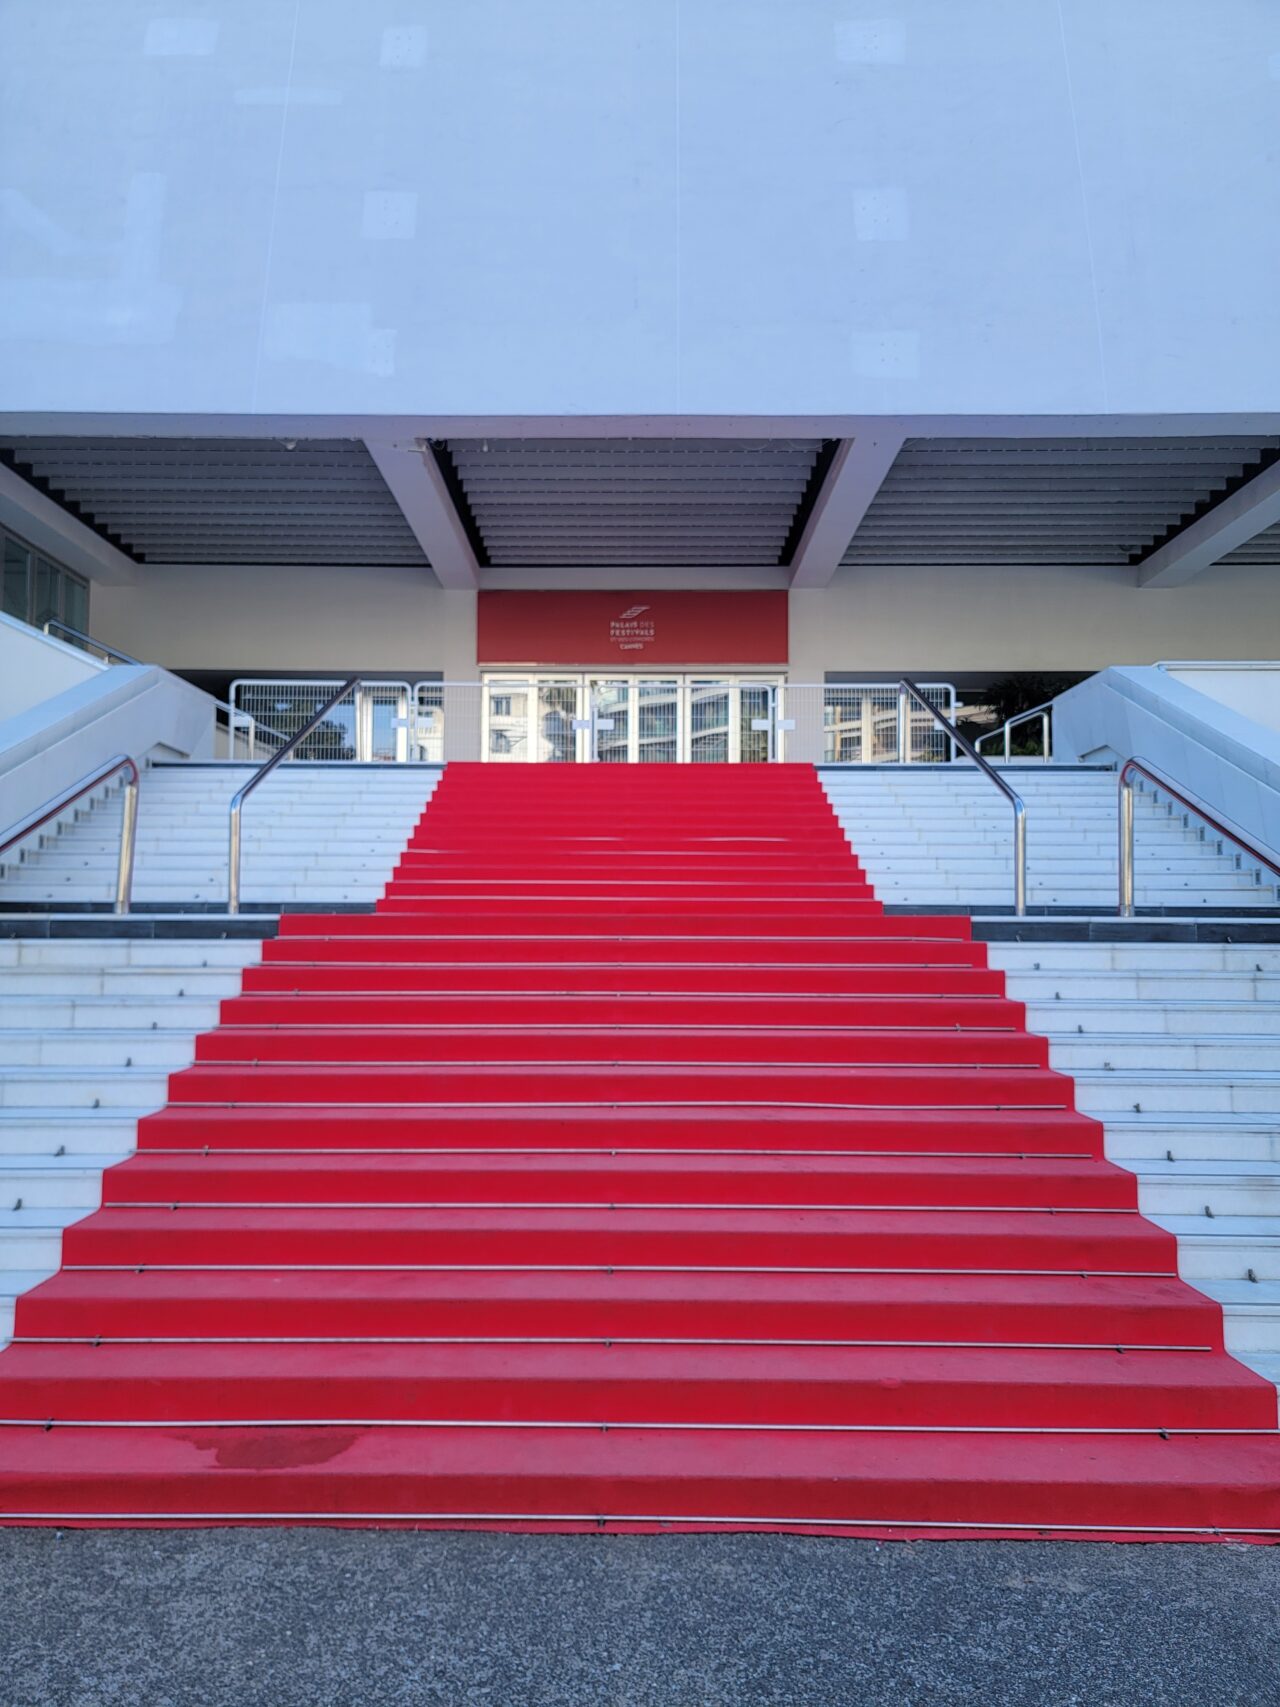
{"x": 508, "y": 725}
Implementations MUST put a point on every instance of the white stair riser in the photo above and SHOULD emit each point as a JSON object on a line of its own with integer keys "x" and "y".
{"x": 97, "y": 1014}
{"x": 203, "y": 952}
{"x": 1247, "y": 1197}
{"x": 1167, "y": 958}
{"x": 1065, "y": 1020}
{"x": 1151, "y": 989}
{"x": 1163, "y": 1054}
{"x": 1133, "y": 1143}
{"x": 104, "y": 1088}
{"x": 154, "y": 1050}
{"x": 103, "y": 1135}
{"x": 52, "y": 1187}
{"x": 1219, "y": 1257}
{"x": 1198, "y": 1093}
{"x": 141, "y": 981}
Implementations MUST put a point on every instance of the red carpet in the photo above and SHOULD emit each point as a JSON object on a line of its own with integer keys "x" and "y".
{"x": 629, "y": 1168}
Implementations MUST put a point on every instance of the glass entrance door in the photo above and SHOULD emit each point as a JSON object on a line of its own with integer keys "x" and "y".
{"x": 612, "y": 719}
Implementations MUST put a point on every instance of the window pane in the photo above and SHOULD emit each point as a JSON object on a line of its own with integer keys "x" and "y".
{"x": 75, "y": 603}
{"x": 16, "y": 570}
{"x": 46, "y": 599}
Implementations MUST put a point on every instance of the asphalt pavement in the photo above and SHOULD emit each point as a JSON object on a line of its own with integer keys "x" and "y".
{"x": 341, "y": 1618}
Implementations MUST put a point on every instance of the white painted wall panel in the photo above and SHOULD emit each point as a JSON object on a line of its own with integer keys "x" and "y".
{"x": 34, "y": 667}
{"x": 928, "y": 620}
{"x": 248, "y": 619}
{"x": 625, "y": 206}
{"x": 932, "y": 620}
{"x": 1251, "y": 689}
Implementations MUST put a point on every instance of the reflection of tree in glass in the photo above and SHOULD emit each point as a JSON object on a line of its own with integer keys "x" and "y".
{"x": 330, "y": 739}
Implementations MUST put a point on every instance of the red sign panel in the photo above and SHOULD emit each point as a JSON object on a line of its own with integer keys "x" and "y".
{"x": 634, "y": 630}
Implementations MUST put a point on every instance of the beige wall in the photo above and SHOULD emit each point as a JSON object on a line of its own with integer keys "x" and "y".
{"x": 264, "y": 619}
{"x": 933, "y": 620}
{"x": 924, "y": 620}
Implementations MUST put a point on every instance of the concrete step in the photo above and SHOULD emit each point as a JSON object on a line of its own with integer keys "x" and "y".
{"x": 96, "y": 1087}
{"x": 1250, "y": 1318}
{"x": 267, "y": 893}
{"x": 1135, "y": 1141}
{"x": 105, "y": 1134}
{"x": 1133, "y": 1090}
{"x": 1164, "y": 957}
{"x": 32, "y": 1238}
{"x": 1148, "y": 990}
{"x": 1124, "y": 1052}
{"x": 157, "y": 982}
{"x": 1226, "y": 1247}
{"x": 1064, "y": 862}
{"x": 1172, "y": 1018}
{"x": 109, "y": 952}
{"x": 1230, "y": 1186}
{"x": 49, "y": 1182}
{"x": 108, "y": 1047}
{"x": 92, "y": 1014}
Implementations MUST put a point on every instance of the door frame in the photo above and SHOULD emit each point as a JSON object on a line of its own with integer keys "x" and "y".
{"x": 588, "y": 723}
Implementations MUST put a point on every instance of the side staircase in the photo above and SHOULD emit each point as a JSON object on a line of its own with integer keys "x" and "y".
{"x": 312, "y": 832}
{"x": 649, "y": 1175}
{"x": 90, "y": 1031}
{"x": 938, "y": 836}
{"x": 1175, "y": 1047}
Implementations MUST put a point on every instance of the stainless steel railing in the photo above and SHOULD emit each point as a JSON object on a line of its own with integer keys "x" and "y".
{"x": 253, "y": 727}
{"x": 908, "y": 691}
{"x": 1011, "y": 723}
{"x": 1139, "y": 767}
{"x": 111, "y": 654}
{"x": 260, "y": 775}
{"x": 128, "y": 823}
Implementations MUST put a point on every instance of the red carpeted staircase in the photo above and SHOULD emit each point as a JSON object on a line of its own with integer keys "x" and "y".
{"x": 629, "y": 1168}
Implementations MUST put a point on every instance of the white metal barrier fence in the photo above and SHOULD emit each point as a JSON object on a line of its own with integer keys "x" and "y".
{"x": 595, "y": 718}
{"x": 373, "y": 722}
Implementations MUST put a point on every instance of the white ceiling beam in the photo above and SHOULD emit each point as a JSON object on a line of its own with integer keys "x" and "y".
{"x": 1250, "y": 510}
{"x": 856, "y": 474}
{"x": 417, "y": 485}
{"x": 50, "y": 528}
{"x": 101, "y": 424}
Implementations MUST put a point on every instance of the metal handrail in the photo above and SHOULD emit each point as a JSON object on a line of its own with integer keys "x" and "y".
{"x": 260, "y": 775}
{"x": 1125, "y": 815}
{"x": 128, "y": 823}
{"x": 908, "y": 691}
{"x": 1011, "y": 723}
{"x": 100, "y": 645}
{"x": 1217, "y": 664}
{"x": 254, "y": 727}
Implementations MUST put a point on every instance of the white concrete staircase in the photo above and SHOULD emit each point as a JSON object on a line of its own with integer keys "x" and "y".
{"x": 89, "y": 1032}
{"x": 1176, "y": 1048}
{"x": 92, "y": 1027}
{"x": 312, "y": 832}
{"x": 940, "y": 835}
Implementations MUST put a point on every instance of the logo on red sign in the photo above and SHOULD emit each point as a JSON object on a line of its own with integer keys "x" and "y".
{"x": 633, "y": 630}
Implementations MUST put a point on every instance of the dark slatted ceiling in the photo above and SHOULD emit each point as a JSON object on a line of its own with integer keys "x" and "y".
{"x": 1265, "y": 548}
{"x": 225, "y": 500}
{"x": 636, "y": 501}
{"x": 1101, "y": 501}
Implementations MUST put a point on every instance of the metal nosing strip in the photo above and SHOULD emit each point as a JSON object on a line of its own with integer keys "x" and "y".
{"x": 596, "y": 1520}
{"x": 98, "y": 1340}
{"x": 669, "y": 1104}
{"x": 205, "y": 1152}
{"x": 169, "y": 1205}
{"x": 588, "y": 1268}
{"x": 603, "y": 1424}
